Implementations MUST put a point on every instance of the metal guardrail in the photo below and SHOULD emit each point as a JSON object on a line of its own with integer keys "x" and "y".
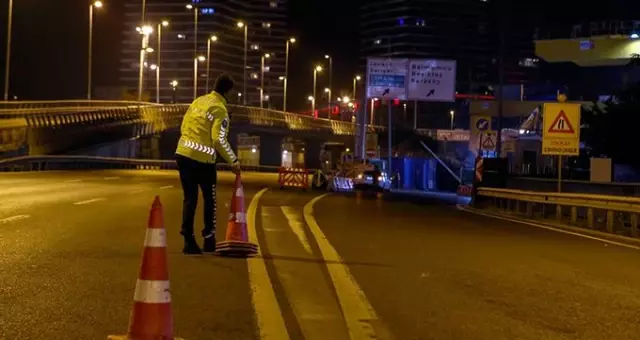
{"x": 575, "y": 186}
{"x": 50, "y": 163}
{"x": 612, "y": 214}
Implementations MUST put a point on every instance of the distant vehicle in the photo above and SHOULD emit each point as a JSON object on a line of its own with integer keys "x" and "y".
{"x": 372, "y": 180}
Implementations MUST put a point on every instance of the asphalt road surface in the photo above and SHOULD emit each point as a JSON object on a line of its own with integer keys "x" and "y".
{"x": 332, "y": 267}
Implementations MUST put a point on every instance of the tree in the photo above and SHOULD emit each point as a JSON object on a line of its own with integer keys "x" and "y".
{"x": 611, "y": 129}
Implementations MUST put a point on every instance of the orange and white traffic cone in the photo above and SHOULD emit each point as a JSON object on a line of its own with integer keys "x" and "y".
{"x": 151, "y": 316}
{"x": 236, "y": 242}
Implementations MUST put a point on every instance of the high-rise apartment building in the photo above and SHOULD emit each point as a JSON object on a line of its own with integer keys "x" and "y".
{"x": 180, "y": 47}
{"x": 467, "y": 31}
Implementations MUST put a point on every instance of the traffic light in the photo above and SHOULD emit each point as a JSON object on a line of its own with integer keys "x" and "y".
{"x": 335, "y": 110}
{"x": 355, "y": 105}
{"x": 396, "y": 102}
{"x": 315, "y": 114}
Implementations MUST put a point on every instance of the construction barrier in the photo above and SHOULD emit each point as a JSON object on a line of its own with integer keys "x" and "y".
{"x": 465, "y": 190}
{"x": 293, "y": 177}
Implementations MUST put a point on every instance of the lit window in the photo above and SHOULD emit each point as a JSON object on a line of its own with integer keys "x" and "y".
{"x": 273, "y": 4}
{"x": 254, "y": 76}
{"x": 266, "y": 68}
{"x": 377, "y": 42}
{"x": 255, "y": 47}
{"x": 181, "y": 36}
{"x": 207, "y": 11}
{"x": 401, "y": 21}
{"x": 266, "y": 25}
{"x": 420, "y": 22}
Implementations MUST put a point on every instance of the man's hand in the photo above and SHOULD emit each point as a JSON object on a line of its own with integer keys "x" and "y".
{"x": 235, "y": 168}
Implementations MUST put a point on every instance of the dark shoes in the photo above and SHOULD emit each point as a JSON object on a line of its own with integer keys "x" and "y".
{"x": 191, "y": 246}
{"x": 209, "y": 245}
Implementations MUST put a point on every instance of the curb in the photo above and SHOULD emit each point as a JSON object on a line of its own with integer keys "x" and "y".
{"x": 624, "y": 241}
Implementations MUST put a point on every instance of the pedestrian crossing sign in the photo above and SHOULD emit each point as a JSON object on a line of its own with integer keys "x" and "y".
{"x": 561, "y": 133}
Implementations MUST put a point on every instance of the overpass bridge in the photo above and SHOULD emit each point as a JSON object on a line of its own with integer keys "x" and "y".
{"x": 81, "y": 126}
{"x": 60, "y": 127}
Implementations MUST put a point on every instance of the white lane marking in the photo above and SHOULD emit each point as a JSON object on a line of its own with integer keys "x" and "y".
{"x": 271, "y": 325}
{"x": 166, "y": 187}
{"x": 90, "y": 201}
{"x": 297, "y": 225}
{"x": 111, "y": 178}
{"x": 73, "y": 181}
{"x": 558, "y": 230}
{"x": 14, "y": 218}
{"x": 137, "y": 191}
{"x": 360, "y": 317}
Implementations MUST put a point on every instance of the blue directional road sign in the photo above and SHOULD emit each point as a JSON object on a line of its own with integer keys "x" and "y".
{"x": 482, "y": 124}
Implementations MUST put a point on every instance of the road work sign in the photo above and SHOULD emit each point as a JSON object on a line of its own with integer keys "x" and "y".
{"x": 561, "y": 132}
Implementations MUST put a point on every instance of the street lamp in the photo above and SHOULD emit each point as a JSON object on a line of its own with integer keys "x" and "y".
{"x": 197, "y": 59}
{"x": 452, "y": 113}
{"x": 162, "y": 24}
{"x": 96, "y": 4}
{"x": 174, "y": 86}
{"x": 155, "y": 67}
{"x": 312, "y": 99}
{"x": 211, "y": 39}
{"x": 291, "y": 40}
{"x": 326, "y": 56}
{"x": 328, "y": 92}
{"x": 355, "y": 80}
{"x": 145, "y": 31}
{"x": 7, "y": 65}
{"x": 241, "y": 24}
{"x": 264, "y": 56}
{"x": 315, "y": 78}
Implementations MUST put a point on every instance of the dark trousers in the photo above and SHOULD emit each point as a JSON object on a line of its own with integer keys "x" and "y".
{"x": 194, "y": 174}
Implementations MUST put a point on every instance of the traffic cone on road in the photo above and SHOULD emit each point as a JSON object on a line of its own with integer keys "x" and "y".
{"x": 236, "y": 242}
{"x": 151, "y": 316}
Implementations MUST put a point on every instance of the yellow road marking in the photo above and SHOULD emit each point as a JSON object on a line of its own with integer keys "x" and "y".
{"x": 271, "y": 325}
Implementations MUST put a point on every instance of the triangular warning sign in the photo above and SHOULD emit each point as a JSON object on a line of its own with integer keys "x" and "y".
{"x": 488, "y": 143}
{"x": 561, "y": 124}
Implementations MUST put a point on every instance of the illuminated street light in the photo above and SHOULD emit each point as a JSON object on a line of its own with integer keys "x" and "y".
{"x": 326, "y": 90}
{"x": 282, "y": 78}
{"x": 346, "y": 99}
{"x": 241, "y": 24}
{"x": 174, "y": 83}
{"x": 165, "y": 23}
{"x": 153, "y": 67}
{"x": 189, "y": 6}
{"x": 149, "y": 49}
{"x": 318, "y": 68}
{"x": 147, "y": 30}
{"x": 96, "y": 4}
{"x": 310, "y": 98}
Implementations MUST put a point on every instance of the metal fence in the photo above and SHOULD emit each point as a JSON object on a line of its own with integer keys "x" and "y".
{"x": 611, "y": 214}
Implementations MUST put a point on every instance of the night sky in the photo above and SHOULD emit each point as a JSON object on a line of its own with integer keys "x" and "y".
{"x": 50, "y": 46}
{"x": 50, "y": 43}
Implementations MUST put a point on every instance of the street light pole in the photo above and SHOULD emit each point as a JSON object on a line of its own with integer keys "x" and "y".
{"x": 156, "y": 67}
{"x": 330, "y": 69}
{"x": 328, "y": 91}
{"x": 452, "y": 113}
{"x": 264, "y": 56}
{"x": 209, "y": 41}
{"x": 7, "y": 65}
{"x": 145, "y": 31}
{"x": 195, "y": 75}
{"x": 315, "y": 78}
{"x": 96, "y": 4}
{"x": 158, "y": 64}
{"x": 241, "y": 24}
{"x": 286, "y": 73}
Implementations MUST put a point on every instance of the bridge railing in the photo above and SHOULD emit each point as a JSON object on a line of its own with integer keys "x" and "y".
{"x": 49, "y": 163}
{"x": 612, "y": 214}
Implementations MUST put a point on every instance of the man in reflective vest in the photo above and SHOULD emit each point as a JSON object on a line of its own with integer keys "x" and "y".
{"x": 204, "y": 133}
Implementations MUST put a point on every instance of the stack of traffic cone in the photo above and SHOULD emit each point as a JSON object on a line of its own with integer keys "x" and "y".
{"x": 236, "y": 242}
{"x": 151, "y": 316}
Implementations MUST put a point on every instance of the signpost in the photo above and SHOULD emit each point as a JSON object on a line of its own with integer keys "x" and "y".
{"x": 479, "y": 126}
{"x": 388, "y": 77}
{"x": 561, "y": 131}
{"x": 432, "y": 80}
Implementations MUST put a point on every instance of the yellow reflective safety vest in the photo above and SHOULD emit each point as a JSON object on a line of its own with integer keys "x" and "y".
{"x": 204, "y": 130}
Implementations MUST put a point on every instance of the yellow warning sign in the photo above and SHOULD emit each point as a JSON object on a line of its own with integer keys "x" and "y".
{"x": 561, "y": 130}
